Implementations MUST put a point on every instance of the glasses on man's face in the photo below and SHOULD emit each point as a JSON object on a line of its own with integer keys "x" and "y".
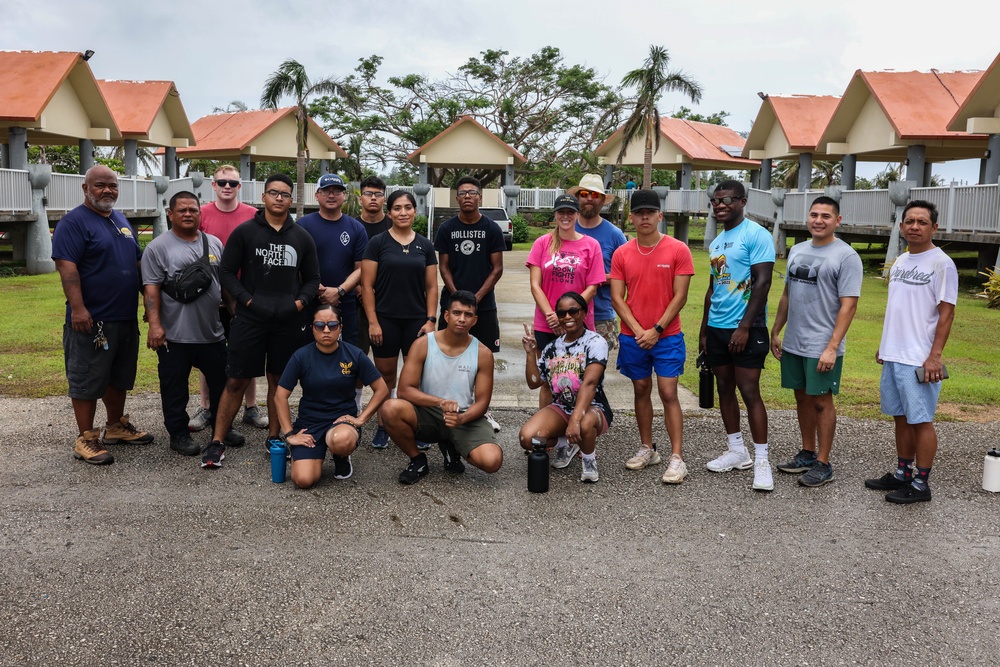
{"x": 223, "y": 183}
{"x": 467, "y": 194}
{"x": 715, "y": 201}
{"x": 589, "y": 194}
{"x": 572, "y": 312}
{"x": 331, "y": 325}
{"x": 331, "y": 192}
{"x": 278, "y": 194}
{"x": 372, "y": 194}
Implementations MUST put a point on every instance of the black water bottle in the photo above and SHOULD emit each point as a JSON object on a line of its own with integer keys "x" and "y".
{"x": 706, "y": 383}
{"x": 538, "y": 467}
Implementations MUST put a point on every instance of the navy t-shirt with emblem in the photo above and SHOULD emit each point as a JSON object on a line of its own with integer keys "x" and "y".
{"x": 328, "y": 381}
{"x": 106, "y": 254}
{"x": 469, "y": 248}
{"x": 339, "y": 244}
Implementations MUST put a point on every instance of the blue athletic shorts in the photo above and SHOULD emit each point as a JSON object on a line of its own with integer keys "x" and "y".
{"x": 901, "y": 394}
{"x": 666, "y": 357}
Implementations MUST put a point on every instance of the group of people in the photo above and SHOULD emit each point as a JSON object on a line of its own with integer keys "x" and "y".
{"x": 302, "y": 303}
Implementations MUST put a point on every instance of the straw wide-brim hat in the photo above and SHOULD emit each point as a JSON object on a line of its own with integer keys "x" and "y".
{"x": 593, "y": 183}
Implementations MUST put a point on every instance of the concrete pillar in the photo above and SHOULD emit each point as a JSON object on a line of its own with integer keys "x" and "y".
{"x": 131, "y": 157}
{"x": 510, "y": 193}
{"x": 161, "y": 183}
{"x": 197, "y": 181}
{"x": 711, "y": 224}
{"x": 778, "y": 232}
{"x": 662, "y": 192}
{"x": 170, "y": 162}
{"x": 253, "y": 172}
{"x": 245, "y": 167}
{"x": 682, "y": 228}
{"x": 805, "y": 171}
{"x": 86, "y": 155}
{"x": 849, "y": 171}
{"x": 915, "y": 160}
{"x": 420, "y": 192}
{"x": 324, "y": 167}
{"x": 17, "y": 148}
{"x": 993, "y": 161}
{"x": 684, "y": 176}
{"x": 755, "y": 179}
{"x": 765, "y": 174}
{"x": 928, "y": 172}
{"x": 899, "y": 195}
{"x": 38, "y": 242}
{"x": 609, "y": 172}
{"x": 4, "y": 161}
{"x": 982, "y": 171}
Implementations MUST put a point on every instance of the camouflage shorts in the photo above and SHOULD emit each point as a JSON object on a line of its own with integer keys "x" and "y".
{"x": 609, "y": 331}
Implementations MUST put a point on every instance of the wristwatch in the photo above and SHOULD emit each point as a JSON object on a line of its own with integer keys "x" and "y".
{"x": 432, "y": 319}
{"x": 341, "y": 292}
{"x": 658, "y": 328}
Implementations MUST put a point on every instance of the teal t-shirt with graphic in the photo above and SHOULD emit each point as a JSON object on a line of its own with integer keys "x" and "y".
{"x": 731, "y": 255}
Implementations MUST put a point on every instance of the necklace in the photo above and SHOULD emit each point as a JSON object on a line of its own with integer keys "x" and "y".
{"x": 406, "y": 246}
{"x": 651, "y": 248}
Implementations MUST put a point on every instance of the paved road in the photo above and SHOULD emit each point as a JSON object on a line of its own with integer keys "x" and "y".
{"x": 153, "y": 561}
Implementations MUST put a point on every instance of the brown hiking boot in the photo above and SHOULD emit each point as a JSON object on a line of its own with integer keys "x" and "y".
{"x": 123, "y": 432}
{"x": 88, "y": 448}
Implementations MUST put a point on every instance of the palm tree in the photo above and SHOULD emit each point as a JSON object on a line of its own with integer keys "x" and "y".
{"x": 291, "y": 79}
{"x": 651, "y": 82}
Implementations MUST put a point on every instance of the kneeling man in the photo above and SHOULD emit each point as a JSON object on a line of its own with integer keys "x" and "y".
{"x": 444, "y": 392}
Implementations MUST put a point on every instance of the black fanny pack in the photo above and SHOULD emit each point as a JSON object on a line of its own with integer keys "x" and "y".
{"x": 193, "y": 280}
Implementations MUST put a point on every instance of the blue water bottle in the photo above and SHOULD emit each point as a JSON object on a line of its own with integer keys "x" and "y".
{"x": 276, "y": 446}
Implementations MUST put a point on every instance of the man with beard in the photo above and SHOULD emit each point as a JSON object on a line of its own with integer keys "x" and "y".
{"x": 592, "y": 197}
{"x": 97, "y": 256}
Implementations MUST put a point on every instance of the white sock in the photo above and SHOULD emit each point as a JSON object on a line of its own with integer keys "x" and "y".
{"x": 561, "y": 442}
{"x": 357, "y": 399}
{"x": 760, "y": 451}
{"x": 589, "y": 457}
{"x": 392, "y": 394}
{"x": 736, "y": 442}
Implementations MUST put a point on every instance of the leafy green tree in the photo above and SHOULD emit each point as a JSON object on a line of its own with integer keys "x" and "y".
{"x": 717, "y": 118}
{"x": 291, "y": 79}
{"x": 651, "y": 81}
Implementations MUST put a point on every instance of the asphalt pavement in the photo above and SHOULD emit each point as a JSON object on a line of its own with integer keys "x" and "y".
{"x": 153, "y": 561}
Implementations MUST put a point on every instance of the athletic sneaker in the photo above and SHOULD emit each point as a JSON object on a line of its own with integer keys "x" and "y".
{"x": 342, "y": 468}
{"x": 201, "y": 420}
{"x": 564, "y": 456}
{"x": 415, "y": 470}
{"x": 234, "y": 439}
{"x": 423, "y": 446}
{"x": 762, "y": 478}
{"x": 254, "y": 416}
{"x": 452, "y": 461}
{"x": 818, "y": 475}
{"x": 381, "y": 439}
{"x": 88, "y": 449}
{"x": 729, "y": 460}
{"x": 212, "y": 455}
{"x": 908, "y": 494}
{"x": 123, "y": 432}
{"x": 493, "y": 422}
{"x": 677, "y": 470}
{"x": 800, "y": 463}
{"x": 589, "y": 472}
{"x": 183, "y": 444}
{"x": 887, "y": 482}
{"x": 646, "y": 456}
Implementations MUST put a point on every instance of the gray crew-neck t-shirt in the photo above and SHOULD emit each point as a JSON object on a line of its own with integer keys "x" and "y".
{"x": 817, "y": 277}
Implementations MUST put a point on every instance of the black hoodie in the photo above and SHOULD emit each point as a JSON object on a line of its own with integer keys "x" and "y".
{"x": 273, "y": 267}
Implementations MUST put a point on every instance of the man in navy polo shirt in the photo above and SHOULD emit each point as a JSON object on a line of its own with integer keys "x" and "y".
{"x": 97, "y": 256}
{"x": 340, "y": 244}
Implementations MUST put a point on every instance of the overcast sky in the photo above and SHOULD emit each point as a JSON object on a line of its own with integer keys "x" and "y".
{"x": 219, "y": 51}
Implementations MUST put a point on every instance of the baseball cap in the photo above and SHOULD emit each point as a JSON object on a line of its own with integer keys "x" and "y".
{"x": 644, "y": 200}
{"x": 566, "y": 201}
{"x": 330, "y": 180}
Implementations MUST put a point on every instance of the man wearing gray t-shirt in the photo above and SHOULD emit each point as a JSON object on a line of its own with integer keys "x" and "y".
{"x": 822, "y": 286}
{"x": 184, "y": 335}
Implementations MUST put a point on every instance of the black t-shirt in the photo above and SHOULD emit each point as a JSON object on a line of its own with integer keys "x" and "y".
{"x": 373, "y": 229}
{"x": 399, "y": 281}
{"x": 469, "y": 248}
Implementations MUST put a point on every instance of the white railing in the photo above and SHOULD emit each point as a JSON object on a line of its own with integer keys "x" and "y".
{"x": 15, "y": 191}
{"x": 760, "y": 204}
{"x": 866, "y": 207}
{"x": 65, "y": 192}
{"x": 687, "y": 201}
{"x": 963, "y": 208}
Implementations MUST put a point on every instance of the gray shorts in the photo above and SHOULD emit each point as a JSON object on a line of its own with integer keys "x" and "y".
{"x": 466, "y": 437}
{"x": 89, "y": 370}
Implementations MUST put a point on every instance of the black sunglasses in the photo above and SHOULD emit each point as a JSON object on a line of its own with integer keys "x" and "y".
{"x": 331, "y": 325}
{"x": 574, "y": 311}
{"x": 715, "y": 201}
{"x": 224, "y": 182}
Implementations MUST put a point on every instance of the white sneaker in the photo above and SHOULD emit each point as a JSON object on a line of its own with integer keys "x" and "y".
{"x": 646, "y": 456}
{"x": 677, "y": 470}
{"x": 589, "y": 473}
{"x": 493, "y": 422}
{"x": 564, "y": 456}
{"x": 200, "y": 421}
{"x": 731, "y": 459}
{"x": 762, "y": 478}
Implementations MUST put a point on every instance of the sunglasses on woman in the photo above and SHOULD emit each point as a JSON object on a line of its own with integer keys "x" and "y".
{"x": 574, "y": 311}
{"x": 331, "y": 325}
